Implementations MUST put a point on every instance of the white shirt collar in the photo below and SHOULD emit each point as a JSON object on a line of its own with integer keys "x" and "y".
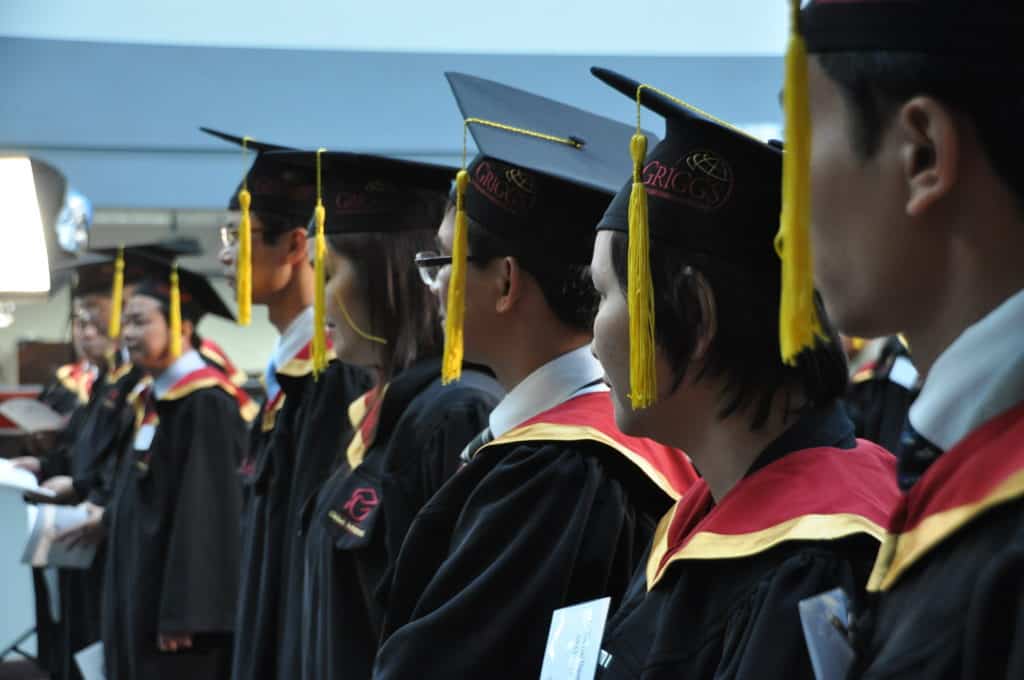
{"x": 296, "y": 335}
{"x": 548, "y": 386}
{"x": 188, "y": 362}
{"x": 978, "y": 377}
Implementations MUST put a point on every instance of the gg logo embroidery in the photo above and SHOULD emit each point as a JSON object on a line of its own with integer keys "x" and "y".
{"x": 362, "y": 502}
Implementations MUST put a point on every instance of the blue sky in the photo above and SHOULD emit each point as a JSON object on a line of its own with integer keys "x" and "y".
{"x": 616, "y": 27}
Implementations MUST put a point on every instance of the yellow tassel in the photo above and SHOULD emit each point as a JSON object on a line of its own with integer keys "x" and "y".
{"x": 116, "y": 297}
{"x": 640, "y": 288}
{"x": 243, "y": 270}
{"x": 319, "y": 306}
{"x": 798, "y": 319}
{"x": 451, "y": 365}
{"x": 319, "y": 344}
{"x": 175, "y": 314}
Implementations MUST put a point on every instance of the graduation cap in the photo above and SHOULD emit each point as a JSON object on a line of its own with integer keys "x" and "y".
{"x": 187, "y": 294}
{"x": 359, "y": 193}
{"x": 708, "y": 187}
{"x": 543, "y": 176}
{"x": 268, "y": 188}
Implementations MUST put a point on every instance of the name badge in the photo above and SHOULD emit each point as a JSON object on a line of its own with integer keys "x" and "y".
{"x": 574, "y": 641}
{"x": 825, "y": 619}
{"x": 144, "y": 437}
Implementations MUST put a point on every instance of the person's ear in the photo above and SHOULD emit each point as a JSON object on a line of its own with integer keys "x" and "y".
{"x": 298, "y": 247}
{"x": 187, "y": 333}
{"x": 708, "y": 326}
{"x": 929, "y": 152}
{"x": 509, "y": 281}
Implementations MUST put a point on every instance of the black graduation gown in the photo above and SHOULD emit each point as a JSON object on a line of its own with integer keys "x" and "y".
{"x": 728, "y": 608}
{"x": 107, "y": 421}
{"x": 878, "y": 406}
{"x": 70, "y": 394}
{"x": 947, "y": 593}
{"x": 267, "y": 485}
{"x": 364, "y": 510}
{"x": 173, "y": 545}
{"x": 529, "y": 525}
{"x": 322, "y": 430}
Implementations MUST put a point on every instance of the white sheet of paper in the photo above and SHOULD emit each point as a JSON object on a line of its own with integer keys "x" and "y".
{"x": 574, "y": 641}
{"x": 821, "y": 617}
{"x": 20, "y": 480}
{"x": 90, "y": 662}
{"x": 144, "y": 437}
{"x": 32, "y": 415}
{"x": 42, "y": 548}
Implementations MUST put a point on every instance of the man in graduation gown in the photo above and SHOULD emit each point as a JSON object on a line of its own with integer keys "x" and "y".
{"x": 277, "y": 476}
{"x": 917, "y": 227}
{"x": 790, "y": 503}
{"x": 554, "y": 505}
{"x": 172, "y": 567}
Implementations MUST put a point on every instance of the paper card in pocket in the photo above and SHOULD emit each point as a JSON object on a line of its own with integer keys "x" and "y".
{"x": 574, "y": 641}
{"x": 144, "y": 437}
{"x": 825, "y": 619}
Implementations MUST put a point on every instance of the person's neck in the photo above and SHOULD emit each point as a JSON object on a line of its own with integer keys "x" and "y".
{"x": 526, "y": 352}
{"x": 290, "y": 301}
{"x": 977, "y": 282}
{"x": 724, "y": 449}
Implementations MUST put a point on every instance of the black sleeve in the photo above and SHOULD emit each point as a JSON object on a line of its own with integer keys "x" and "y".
{"x": 994, "y": 634}
{"x": 765, "y": 631}
{"x": 201, "y": 573}
{"x": 485, "y": 612}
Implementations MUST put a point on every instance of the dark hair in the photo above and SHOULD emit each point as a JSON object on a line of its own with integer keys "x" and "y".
{"x": 567, "y": 288}
{"x": 875, "y": 84}
{"x": 745, "y": 347}
{"x": 402, "y": 309}
{"x": 165, "y": 310}
{"x": 276, "y": 225}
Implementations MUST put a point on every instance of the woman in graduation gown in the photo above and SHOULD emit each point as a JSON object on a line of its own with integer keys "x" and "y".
{"x": 172, "y": 566}
{"x": 790, "y": 504}
{"x": 408, "y": 430}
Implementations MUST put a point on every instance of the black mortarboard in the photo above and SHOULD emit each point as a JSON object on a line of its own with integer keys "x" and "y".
{"x": 969, "y": 28}
{"x": 198, "y": 297}
{"x": 93, "y": 272}
{"x": 368, "y": 193}
{"x": 711, "y": 188}
{"x": 707, "y": 188}
{"x": 545, "y": 184}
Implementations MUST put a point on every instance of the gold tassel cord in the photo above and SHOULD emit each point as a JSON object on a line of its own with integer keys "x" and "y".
{"x": 319, "y": 345}
{"x": 799, "y": 325}
{"x": 116, "y": 297}
{"x": 243, "y": 269}
{"x": 175, "y": 314}
{"x": 639, "y": 284}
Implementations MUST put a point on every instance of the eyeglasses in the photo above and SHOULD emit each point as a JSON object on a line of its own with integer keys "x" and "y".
{"x": 430, "y": 263}
{"x": 229, "y": 236}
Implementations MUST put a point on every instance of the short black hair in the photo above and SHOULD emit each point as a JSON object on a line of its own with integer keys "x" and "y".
{"x": 402, "y": 310}
{"x": 567, "y": 288}
{"x": 276, "y": 225}
{"x": 745, "y": 347}
{"x": 875, "y": 84}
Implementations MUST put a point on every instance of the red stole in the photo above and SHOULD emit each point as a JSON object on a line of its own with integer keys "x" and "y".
{"x": 816, "y": 494}
{"x": 984, "y": 470}
{"x": 592, "y": 417}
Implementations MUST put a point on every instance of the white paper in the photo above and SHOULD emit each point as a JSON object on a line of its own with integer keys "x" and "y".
{"x": 42, "y": 548}
{"x": 20, "y": 480}
{"x": 90, "y": 662}
{"x": 32, "y": 415}
{"x": 825, "y": 618}
{"x": 903, "y": 373}
{"x": 144, "y": 437}
{"x": 574, "y": 641}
